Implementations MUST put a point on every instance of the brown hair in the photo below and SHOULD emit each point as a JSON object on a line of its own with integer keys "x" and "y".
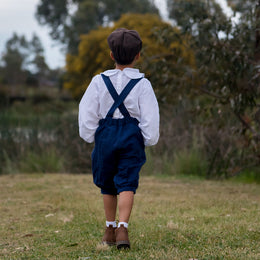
{"x": 125, "y": 45}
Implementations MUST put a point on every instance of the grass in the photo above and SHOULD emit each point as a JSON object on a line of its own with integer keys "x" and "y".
{"x": 60, "y": 216}
{"x": 48, "y": 161}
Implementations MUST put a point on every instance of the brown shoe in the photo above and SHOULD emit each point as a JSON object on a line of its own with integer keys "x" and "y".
{"x": 109, "y": 237}
{"x": 122, "y": 240}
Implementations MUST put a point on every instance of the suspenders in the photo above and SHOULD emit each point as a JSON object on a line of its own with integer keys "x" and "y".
{"x": 119, "y": 99}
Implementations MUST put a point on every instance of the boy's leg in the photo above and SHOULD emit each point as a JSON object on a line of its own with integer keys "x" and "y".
{"x": 110, "y": 204}
{"x": 125, "y": 205}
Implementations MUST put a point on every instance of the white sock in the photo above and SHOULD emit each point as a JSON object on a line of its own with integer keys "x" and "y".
{"x": 123, "y": 223}
{"x": 113, "y": 223}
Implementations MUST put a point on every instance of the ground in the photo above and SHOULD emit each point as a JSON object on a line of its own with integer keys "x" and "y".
{"x": 60, "y": 216}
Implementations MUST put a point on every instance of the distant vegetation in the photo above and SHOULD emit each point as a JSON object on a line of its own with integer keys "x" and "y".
{"x": 205, "y": 72}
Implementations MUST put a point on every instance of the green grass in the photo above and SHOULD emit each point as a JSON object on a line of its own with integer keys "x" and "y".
{"x": 190, "y": 162}
{"x": 48, "y": 161}
{"x": 60, "y": 216}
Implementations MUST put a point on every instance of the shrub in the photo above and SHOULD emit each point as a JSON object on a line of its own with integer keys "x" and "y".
{"x": 49, "y": 161}
{"x": 190, "y": 162}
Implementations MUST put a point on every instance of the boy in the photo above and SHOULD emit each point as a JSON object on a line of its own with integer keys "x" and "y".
{"x": 119, "y": 111}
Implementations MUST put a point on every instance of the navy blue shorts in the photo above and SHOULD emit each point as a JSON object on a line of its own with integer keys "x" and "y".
{"x": 118, "y": 155}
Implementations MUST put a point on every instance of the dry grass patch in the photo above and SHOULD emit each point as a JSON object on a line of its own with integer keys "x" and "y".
{"x": 60, "y": 216}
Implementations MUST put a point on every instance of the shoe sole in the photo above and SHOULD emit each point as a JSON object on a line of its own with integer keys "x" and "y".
{"x": 123, "y": 245}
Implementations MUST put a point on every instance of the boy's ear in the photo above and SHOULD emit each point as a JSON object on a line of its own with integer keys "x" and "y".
{"x": 138, "y": 56}
{"x": 111, "y": 55}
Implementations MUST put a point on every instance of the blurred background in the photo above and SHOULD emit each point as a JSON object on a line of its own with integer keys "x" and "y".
{"x": 202, "y": 57}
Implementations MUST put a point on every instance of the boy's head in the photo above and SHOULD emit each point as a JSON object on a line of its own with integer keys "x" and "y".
{"x": 125, "y": 45}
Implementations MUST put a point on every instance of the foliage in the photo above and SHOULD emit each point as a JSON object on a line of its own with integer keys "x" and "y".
{"x": 93, "y": 54}
{"x": 69, "y": 19}
{"x": 23, "y": 60}
{"x": 226, "y": 66}
{"x": 48, "y": 142}
{"x": 48, "y": 161}
{"x": 190, "y": 162}
{"x": 3, "y": 97}
{"x": 240, "y": 5}
{"x": 227, "y": 70}
{"x": 195, "y": 17}
{"x": 92, "y": 58}
{"x": 13, "y": 59}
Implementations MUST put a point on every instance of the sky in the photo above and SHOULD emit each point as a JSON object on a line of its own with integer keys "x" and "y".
{"x": 19, "y": 16}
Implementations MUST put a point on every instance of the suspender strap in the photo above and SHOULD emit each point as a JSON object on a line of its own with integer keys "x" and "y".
{"x": 119, "y": 99}
{"x": 114, "y": 94}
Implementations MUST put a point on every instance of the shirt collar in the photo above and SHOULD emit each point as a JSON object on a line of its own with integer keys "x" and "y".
{"x": 129, "y": 72}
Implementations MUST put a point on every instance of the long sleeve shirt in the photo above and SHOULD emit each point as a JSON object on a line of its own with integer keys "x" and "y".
{"x": 141, "y": 104}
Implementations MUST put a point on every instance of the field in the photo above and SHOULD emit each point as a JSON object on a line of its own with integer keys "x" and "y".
{"x": 60, "y": 216}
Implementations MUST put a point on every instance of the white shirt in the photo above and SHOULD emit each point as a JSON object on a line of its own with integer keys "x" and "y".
{"x": 141, "y": 104}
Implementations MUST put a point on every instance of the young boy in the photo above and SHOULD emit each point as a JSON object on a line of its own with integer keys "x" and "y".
{"x": 119, "y": 111}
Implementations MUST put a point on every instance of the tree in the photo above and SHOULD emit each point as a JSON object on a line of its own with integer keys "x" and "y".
{"x": 164, "y": 49}
{"x": 40, "y": 68}
{"x": 226, "y": 64}
{"x": 68, "y": 19}
{"x": 203, "y": 18}
{"x": 227, "y": 71}
{"x": 22, "y": 58}
{"x": 14, "y": 59}
{"x": 240, "y": 5}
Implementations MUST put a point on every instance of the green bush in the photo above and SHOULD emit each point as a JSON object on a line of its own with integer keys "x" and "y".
{"x": 157, "y": 164}
{"x": 190, "y": 162}
{"x": 185, "y": 162}
{"x": 249, "y": 175}
{"x": 48, "y": 161}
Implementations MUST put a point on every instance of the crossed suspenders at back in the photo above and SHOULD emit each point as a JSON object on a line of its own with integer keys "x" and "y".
{"x": 119, "y": 99}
